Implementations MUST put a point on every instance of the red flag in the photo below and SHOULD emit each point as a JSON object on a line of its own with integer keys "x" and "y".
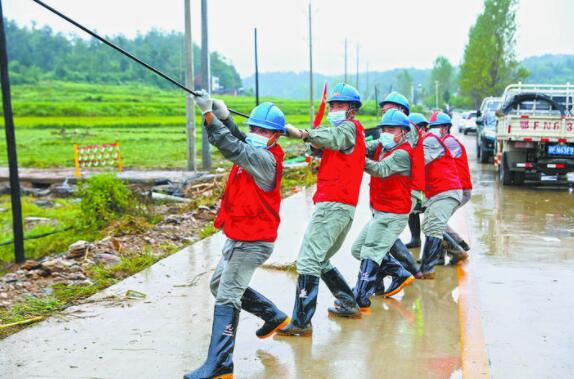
{"x": 321, "y": 112}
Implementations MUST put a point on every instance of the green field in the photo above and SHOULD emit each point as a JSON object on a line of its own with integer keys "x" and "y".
{"x": 149, "y": 123}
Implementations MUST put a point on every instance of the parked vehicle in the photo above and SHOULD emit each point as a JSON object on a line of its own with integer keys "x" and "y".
{"x": 467, "y": 122}
{"x": 535, "y": 133}
{"x": 486, "y": 128}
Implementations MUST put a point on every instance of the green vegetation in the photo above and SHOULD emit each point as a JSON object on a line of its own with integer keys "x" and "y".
{"x": 148, "y": 122}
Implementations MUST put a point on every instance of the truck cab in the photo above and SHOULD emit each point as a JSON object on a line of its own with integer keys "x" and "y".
{"x": 535, "y": 133}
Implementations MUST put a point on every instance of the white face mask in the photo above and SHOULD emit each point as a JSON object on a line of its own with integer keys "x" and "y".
{"x": 257, "y": 141}
{"x": 387, "y": 140}
{"x": 436, "y": 131}
{"x": 336, "y": 118}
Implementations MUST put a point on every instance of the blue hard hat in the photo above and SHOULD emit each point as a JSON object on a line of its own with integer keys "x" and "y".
{"x": 267, "y": 116}
{"x": 394, "y": 117}
{"x": 418, "y": 118}
{"x": 438, "y": 119}
{"x": 396, "y": 98}
{"x": 345, "y": 93}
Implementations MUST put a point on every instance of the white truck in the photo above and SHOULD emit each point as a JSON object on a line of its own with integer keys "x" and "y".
{"x": 535, "y": 133}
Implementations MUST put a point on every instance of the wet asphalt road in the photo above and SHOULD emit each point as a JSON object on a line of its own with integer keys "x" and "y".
{"x": 520, "y": 276}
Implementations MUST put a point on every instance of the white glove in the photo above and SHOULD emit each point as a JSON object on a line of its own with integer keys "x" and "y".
{"x": 220, "y": 109}
{"x": 203, "y": 101}
{"x": 293, "y": 132}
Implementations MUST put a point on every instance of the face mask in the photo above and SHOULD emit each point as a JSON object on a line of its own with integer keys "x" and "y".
{"x": 337, "y": 117}
{"x": 436, "y": 132}
{"x": 257, "y": 141}
{"x": 387, "y": 140}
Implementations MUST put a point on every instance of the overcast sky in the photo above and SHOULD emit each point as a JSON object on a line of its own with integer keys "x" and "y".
{"x": 391, "y": 34}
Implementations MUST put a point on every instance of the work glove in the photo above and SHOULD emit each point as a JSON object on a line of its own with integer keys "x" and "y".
{"x": 220, "y": 109}
{"x": 293, "y": 132}
{"x": 203, "y": 101}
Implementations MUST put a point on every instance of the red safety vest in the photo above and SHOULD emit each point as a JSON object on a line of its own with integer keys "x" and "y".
{"x": 393, "y": 193}
{"x": 339, "y": 177}
{"x": 247, "y": 213}
{"x": 462, "y": 165}
{"x": 441, "y": 174}
{"x": 417, "y": 155}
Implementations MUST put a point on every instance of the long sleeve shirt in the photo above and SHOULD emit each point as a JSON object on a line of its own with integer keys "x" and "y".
{"x": 342, "y": 137}
{"x": 228, "y": 139}
{"x": 433, "y": 149}
{"x": 397, "y": 162}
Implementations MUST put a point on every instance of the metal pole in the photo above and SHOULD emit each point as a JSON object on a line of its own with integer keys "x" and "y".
{"x": 345, "y": 60}
{"x": 189, "y": 83}
{"x": 376, "y": 100}
{"x": 367, "y": 82}
{"x": 256, "y": 68}
{"x": 311, "y": 106}
{"x": 436, "y": 94}
{"x": 11, "y": 147}
{"x": 206, "y": 82}
{"x": 357, "y": 77}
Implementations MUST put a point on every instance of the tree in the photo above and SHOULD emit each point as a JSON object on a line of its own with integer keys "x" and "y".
{"x": 489, "y": 62}
{"x": 442, "y": 72}
{"x": 404, "y": 82}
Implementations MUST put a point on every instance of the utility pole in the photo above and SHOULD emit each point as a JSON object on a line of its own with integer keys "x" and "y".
{"x": 436, "y": 94}
{"x": 345, "y": 60}
{"x": 357, "y": 78}
{"x": 206, "y": 81}
{"x": 256, "y": 68}
{"x": 367, "y": 82}
{"x": 189, "y": 83}
{"x": 11, "y": 147}
{"x": 376, "y": 100}
{"x": 311, "y": 106}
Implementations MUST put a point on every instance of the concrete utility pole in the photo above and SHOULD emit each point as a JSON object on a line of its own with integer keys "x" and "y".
{"x": 345, "y": 60}
{"x": 311, "y": 106}
{"x": 189, "y": 83}
{"x": 256, "y": 68}
{"x": 436, "y": 94}
{"x": 11, "y": 148}
{"x": 367, "y": 95}
{"x": 357, "y": 77}
{"x": 206, "y": 82}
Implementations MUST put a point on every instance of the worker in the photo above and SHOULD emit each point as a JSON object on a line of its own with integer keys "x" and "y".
{"x": 338, "y": 184}
{"x": 443, "y": 191}
{"x": 389, "y": 164}
{"x": 249, "y": 217}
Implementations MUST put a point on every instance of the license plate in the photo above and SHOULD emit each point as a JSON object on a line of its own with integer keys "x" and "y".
{"x": 560, "y": 150}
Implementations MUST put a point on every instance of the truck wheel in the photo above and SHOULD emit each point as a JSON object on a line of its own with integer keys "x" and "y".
{"x": 484, "y": 155}
{"x": 504, "y": 173}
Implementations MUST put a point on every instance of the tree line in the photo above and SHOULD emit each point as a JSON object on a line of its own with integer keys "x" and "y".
{"x": 42, "y": 54}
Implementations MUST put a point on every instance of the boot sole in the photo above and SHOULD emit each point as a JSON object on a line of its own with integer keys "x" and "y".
{"x": 350, "y": 315}
{"x": 365, "y": 311}
{"x": 407, "y": 282}
{"x": 280, "y": 326}
{"x": 224, "y": 376}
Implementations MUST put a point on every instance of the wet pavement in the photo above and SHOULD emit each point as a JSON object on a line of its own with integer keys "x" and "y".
{"x": 509, "y": 305}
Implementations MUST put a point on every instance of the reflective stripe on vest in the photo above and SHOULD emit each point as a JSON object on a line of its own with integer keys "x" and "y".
{"x": 391, "y": 194}
{"x": 339, "y": 177}
{"x": 248, "y": 213}
{"x": 441, "y": 174}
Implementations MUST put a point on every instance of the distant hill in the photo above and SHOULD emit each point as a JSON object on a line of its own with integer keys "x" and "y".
{"x": 549, "y": 68}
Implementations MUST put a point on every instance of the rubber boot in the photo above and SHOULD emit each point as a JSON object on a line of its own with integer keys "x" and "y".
{"x": 400, "y": 276}
{"x": 455, "y": 251}
{"x": 346, "y": 306}
{"x": 415, "y": 228}
{"x": 304, "y": 308}
{"x": 219, "y": 362}
{"x": 260, "y": 306}
{"x": 404, "y": 256}
{"x": 431, "y": 256}
{"x": 366, "y": 282}
{"x": 464, "y": 245}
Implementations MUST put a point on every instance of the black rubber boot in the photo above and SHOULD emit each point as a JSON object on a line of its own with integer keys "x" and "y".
{"x": 400, "y": 276}
{"x": 219, "y": 362}
{"x": 415, "y": 228}
{"x": 431, "y": 256}
{"x": 260, "y": 306}
{"x": 346, "y": 306}
{"x": 304, "y": 308}
{"x": 455, "y": 251}
{"x": 464, "y": 245}
{"x": 366, "y": 282}
{"x": 404, "y": 256}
